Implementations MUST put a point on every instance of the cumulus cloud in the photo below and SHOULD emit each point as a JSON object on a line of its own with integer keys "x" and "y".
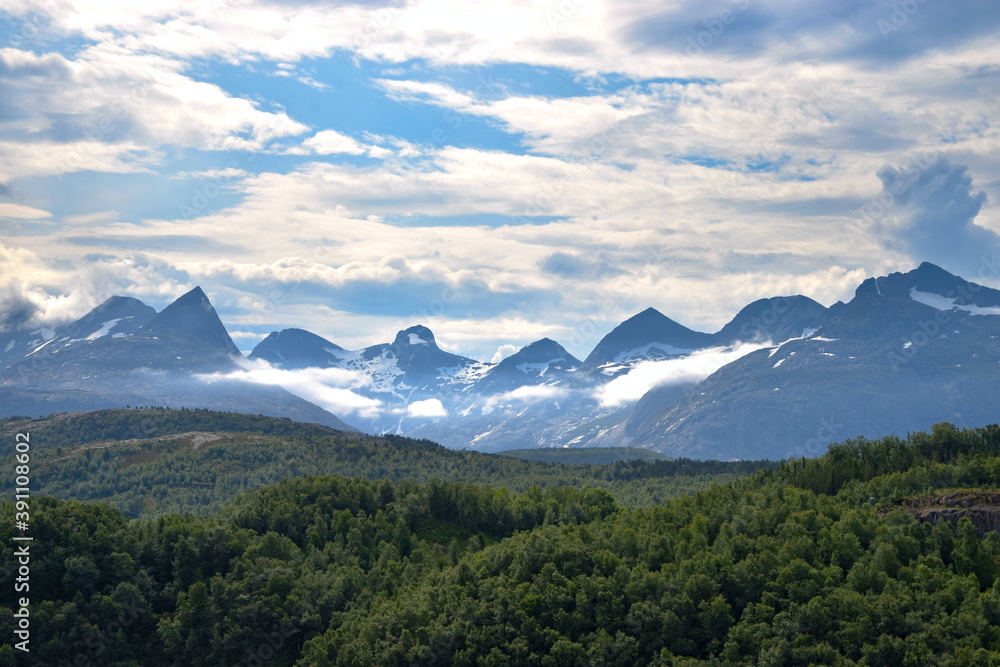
{"x": 927, "y": 211}
{"x": 108, "y": 109}
{"x": 431, "y": 407}
{"x": 503, "y": 352}
{"x": 17, "y": 307}
{"x": 687, "y": 370}
{"x": 329, "y": 388}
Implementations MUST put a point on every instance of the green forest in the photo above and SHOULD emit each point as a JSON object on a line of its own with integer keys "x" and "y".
{"x": 149, "y": 462}
{"x": 382, "y": 551}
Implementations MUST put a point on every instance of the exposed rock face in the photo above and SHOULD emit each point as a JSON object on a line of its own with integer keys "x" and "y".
{"x": 982, "y": 508}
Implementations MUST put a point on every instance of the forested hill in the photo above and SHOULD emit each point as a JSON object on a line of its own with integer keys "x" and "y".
{"x": 149, "y": 462}
{"x": 585, "y": 455}
{"x": 813, "y": 562}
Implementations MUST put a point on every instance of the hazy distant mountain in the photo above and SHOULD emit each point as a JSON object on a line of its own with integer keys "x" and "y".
{"x": 296, "y": 348}
{"x": 542, "y": 362}
{"x": 118, "y": 316}
{"x": 180, "y": 357}
{"x": 911, "y": 349}
{"x": 775, "y": 319}
{"x": 648, "y": 335}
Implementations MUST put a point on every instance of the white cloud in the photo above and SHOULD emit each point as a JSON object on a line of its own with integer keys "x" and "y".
{"x": 118, "y": 107}
{"x": 20, "y": 159}
{"x": 527, "y": 394}
{"x": 55, "y": 296}
{"x": 331, "y": 142}
{"x": 649, "y": 374}
{"x": 708, "y": 179}
{"x": 431, "y": 407}
{"x": 329, "y": 388}
{"x": 503, "y": 352}
{"x": 552, "y": 124}
{"x": 22, "y": 212}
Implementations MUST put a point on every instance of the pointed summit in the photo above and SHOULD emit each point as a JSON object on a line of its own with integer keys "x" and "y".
{"x": 544, "y": 351}
{"x": 192, "y": 318}
{"x": 649, "y": 334}
{"x": 542, "y": 362}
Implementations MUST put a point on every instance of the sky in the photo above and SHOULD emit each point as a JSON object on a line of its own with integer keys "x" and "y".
{"x": 497, "y": 171}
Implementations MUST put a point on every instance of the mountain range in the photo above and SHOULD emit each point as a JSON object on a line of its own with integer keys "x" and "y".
{"x": 785, "y": 377}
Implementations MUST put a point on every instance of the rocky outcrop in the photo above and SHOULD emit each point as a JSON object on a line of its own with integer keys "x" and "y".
{"x": 982, "y": 508}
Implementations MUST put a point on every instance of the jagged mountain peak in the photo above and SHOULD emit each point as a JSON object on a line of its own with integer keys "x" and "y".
{"x": 192, "y": 317}
{"x": 931, "y": 285}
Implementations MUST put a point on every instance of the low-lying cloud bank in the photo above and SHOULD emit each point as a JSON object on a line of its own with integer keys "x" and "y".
{"x": 686, "y": 370}
{"x": 329, "y": 388}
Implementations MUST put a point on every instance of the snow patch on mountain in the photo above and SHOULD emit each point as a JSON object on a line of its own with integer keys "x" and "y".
{"x": 537, "y": 369}
{"x": 643, "y": 352}
{"x": 417, "y": 340}
{"x": 464, "y": 375}
{"x": 382, "y": 370}
{"x": 105, "y": 329}
{"x": 939, "y": 302}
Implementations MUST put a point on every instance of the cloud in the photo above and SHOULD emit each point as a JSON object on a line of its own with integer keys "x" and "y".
{"x": 569, "y": 265}
{"x": 108, "y": 109}
{"x": 329, "y": 388}
{"x": 503, "y": 352}
{"x": 60, "y": 296}
{"x": 331, "y": 142}
{"x": 927, "y": 211}
{"x": 431, "y": 407}
{"x": 22, "y": 212}
{"x": 17, "y": 307}
{"x": 527, "y": 394}
{"x": 649, "y": 374}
